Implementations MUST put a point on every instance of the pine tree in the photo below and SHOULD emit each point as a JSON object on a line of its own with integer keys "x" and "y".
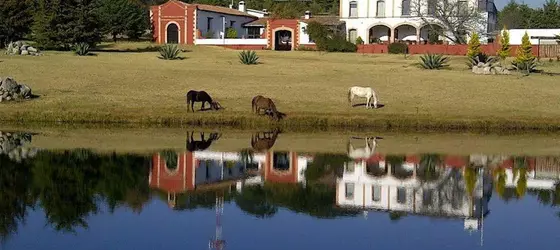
{"x": 504, "y": 49}
{"x": 474, "y": 46}
{"x": 525, "y": 52}
{"x": 15, "y": 20}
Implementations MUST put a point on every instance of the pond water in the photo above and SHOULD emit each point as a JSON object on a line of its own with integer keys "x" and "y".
{"x": 259, "y": 197}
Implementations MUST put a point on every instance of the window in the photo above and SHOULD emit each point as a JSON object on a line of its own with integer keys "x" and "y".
{"x": 231, "y": 23}
{"x": 427, "y": 197}
{"x": 406, "y": 7}
{"x": 254, "y": 32}
{"x": 376, "y": 193}
{"x": 380, "y": 8}
{"x": 352, "y": 35}
{"x": 462, "y": 7}
{"x": 353, "y": 9}
{"x": 209, "y": 23}
{"x": 401, "y": 195}
{"x": 349, "y": 190}
{"x": 350, "y": 167}
{"x": 431, "y": 7}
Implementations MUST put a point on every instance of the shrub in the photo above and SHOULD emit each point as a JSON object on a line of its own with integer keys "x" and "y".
{"x": 503, "y": 51}
{"x": 398, "y": 48}
{"x": 474, "y": 46}
{"x": 359, "y": 40}
{"x": 209, "y": 34}
{"x": 248, "y": 57}
{"x": 169, "y": 52}
{"x": 231, "y": 32}
{"x": 480, "y": 58}
{"x": 525, "y": 59}
{"x": 434, "y": 61}
{"x": 326, "y": 40}
{"x": 81, "y": 49}
{"x": 433, "y": 37}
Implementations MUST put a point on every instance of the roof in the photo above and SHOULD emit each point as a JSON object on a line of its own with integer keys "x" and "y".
{"x": 325, "y": 20}
{"x": 223, "y": 10}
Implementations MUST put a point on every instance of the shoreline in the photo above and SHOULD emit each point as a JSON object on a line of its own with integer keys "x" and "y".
{"x": 295, "y": 123}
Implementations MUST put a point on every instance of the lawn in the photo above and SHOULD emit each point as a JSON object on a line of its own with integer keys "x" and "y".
{"x": 310, "y": 87}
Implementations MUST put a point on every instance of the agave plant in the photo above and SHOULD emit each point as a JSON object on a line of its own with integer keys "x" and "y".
{"x": 434, "y": 61}
{"x": 525, "y": 66}
{"x": 81, "y": 49}
{"x": 480, "y": 58}
{"x": 248, "y": 57}
{"x": 169, "y": 52}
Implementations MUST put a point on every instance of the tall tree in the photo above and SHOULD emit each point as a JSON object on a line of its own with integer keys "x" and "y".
{"x": 15, "y": 20}
{"x": 455, "y": 17}
{"x": 123, "y": 17}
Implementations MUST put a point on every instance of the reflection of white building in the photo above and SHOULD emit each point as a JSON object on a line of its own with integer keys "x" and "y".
{"x": 376, "y": 185}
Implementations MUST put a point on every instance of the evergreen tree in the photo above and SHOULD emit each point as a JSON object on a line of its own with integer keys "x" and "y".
{"x": 525, "y": 52}
{"x": 59, "y": 24}
{"x": 474, "y": 46}
{"x": 123, "y": 17}
{"x": 15, "y": 20}
{"x": 504, "y": 49}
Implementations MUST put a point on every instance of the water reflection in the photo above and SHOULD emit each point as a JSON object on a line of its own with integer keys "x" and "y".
{"x": 70, "y": 186}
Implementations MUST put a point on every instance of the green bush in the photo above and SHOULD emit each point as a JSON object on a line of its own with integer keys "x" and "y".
{"x": 398, "y": 48}
{"x": 209, "y": 34}
{"x": 359, "y": 40}
{"x": 434, "y": 61}
{"x": 169, "y": 52}
{"x": 231, "y": 32}
{"x": 338, "y": 44}
{"x": 248, "y": 57}
{"x": 81, "y": 49}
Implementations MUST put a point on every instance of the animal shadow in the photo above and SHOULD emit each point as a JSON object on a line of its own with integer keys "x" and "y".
{"x": 203, "y": 143}
{"x": 379, "y": 105}
{"x": 263, "y": 141}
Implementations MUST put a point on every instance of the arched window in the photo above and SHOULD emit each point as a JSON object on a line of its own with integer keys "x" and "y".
{"x": 380, "y": 8}
{"x": 353, "y": 9}
{"x": 352, "y": 35}
{"x": 406, "y": 7}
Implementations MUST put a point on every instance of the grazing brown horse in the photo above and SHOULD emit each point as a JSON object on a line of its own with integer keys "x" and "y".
{"x": 201, "y": 96}
{"x": 265, "y": 142}
{"x": 259, "y": 102}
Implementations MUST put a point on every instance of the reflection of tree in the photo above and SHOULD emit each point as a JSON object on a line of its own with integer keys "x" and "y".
{"x": 253, "y": 201}
{"x": 427, "y": 170}
{"x": 170, "y": 158}
{"x": 520, "y": 170}
{"x": 470, "y": 176}
{"x": 396, "y": 215}
{"x": 325, "y": 164}
{"x": 500, "y": 183}
{"x": 396, "y": 162}
{"x": 15, "y": 179}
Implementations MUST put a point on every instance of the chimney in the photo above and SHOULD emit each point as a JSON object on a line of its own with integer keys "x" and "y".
{"x": 307, "y": 14}
{"x": 265, "y": 12}
{"x": 242, "y": 6}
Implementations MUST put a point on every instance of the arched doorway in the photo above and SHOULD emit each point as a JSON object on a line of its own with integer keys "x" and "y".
{"x": 283, "y": 40}
{"x": 281, "y": 161}
{"x": 379, "y": 33}
{"x": 172, "y": 33}
{"x": 405, "y": 33}
{"x": 431, "y": 33}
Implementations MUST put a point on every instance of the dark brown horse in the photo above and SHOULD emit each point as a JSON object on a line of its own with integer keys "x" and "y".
{"x": 201, "y": 96}
{"x": 265, "y": 142}
{"x": 201, "y": 145}
{"x": 263, "y": 103}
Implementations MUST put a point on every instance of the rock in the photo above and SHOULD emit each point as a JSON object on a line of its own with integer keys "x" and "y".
{"x": 15, "y": 51}
{"x": 24, "y": 47}
{"x": 480, "y": 65}
{"x": 32, "y": 50}
{"x": 487, "y": 70}
{"x": 8, "y": 98}
{"x": 24, "y": 91}
{"x": 9, "y": 85}
{"x": 24, "y": 52}
{"x": 1, "y": 99}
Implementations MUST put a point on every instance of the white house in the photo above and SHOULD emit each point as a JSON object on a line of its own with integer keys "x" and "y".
{"x": 393, "y": 20}
{"x": 516, "y": 35}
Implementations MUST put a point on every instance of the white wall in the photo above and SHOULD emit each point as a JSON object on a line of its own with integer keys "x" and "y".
{"x": 516, "y": 35}
{"x": 303, "y": 36}
{"x": 368, "y": 8}
{"x": 217, "y": 25}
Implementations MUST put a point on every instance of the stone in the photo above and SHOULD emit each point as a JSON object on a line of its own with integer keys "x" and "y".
{"x": 24, "y": 52}
{"x": 9, "y": 85}
{"x": 15, "y": 51}
{"x": 9, "y": 98}
{"x": 487, "y": 70}
{"x": 24, "y": 91}
{"x": 480, "y": 65}
{"x": 32, "y": 50}
{"x": 24, "y": 47}
{"x": 1, "y": 99}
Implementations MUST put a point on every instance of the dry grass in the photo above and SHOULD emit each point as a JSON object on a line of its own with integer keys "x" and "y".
{"x": 309, "y": 87}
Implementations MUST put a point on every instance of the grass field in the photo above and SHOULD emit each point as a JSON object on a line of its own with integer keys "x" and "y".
{"x": 310, "y": 87}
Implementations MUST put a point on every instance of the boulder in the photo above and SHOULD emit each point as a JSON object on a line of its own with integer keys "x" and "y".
{"x": 9, "y": 85}
{"x": 32, "y": 50}
{"x": 24, "y": 52}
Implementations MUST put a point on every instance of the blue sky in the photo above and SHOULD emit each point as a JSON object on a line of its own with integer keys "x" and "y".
{"x": 533, "y": 3}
